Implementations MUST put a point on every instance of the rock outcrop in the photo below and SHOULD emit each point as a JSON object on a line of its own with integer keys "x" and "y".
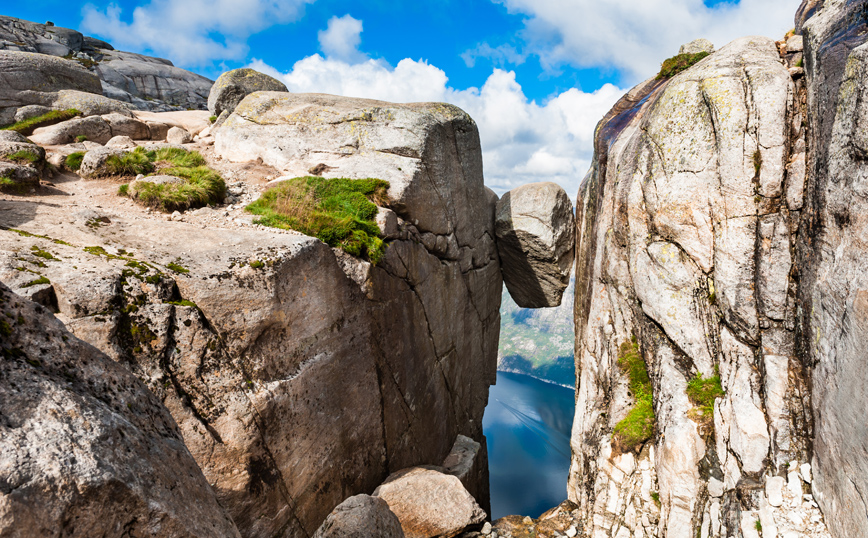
{"x": 298, "y": 375}
{"x": 85, "y": 448}
{"x": 122, "y": 77}
{"x": 686, "y": 225}
{"x": 233, "y": 86}
{"x": 361, "y": 516}
{"x": 831, "y": 257}
{"x": 535, "y": 239}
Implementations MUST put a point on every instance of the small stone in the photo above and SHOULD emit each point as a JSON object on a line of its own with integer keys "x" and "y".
{"x": 795, "y": 43}
{"x": 527, "y": 520}
{"x": 805, "y": 471}
{"x": 571, "y": 532}
{"x": 794, "y": 484}
{"x": 486, "y": 529}
{"x": 177, "y": 135}
{"x": 715, "y": 488}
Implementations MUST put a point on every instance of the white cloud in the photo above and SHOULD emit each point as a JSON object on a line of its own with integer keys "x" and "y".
{"x": 186, "y": 31}
{"x": 500, "y": 56}
{"x": 522, "y": 140}
{"x": 341, "y": 39}
{"x": 637, "y": 36}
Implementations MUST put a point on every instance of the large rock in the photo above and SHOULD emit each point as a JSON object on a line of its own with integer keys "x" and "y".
{"x": 429, "y": 503}
{"x": 233, "y": 86}
{"x": 85, "y": 447}
{"x": 23, "y": 74}
{"x": 361, "y": 516}
{"x": 684, "y": 243}
{"x": 534, "y": 226}
{"x": 310, "y": 376}
{"x": 93, "y": 128}
{"x": 831, "y": 253}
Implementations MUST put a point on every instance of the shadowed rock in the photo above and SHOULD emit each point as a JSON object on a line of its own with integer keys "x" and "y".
{"x": 361, "y": 516}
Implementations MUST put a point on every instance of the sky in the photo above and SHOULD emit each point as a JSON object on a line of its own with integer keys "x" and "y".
{"x": 536, "y": 75}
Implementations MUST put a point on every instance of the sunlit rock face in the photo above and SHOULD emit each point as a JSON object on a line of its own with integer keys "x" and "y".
{"x": 686, "y": 225}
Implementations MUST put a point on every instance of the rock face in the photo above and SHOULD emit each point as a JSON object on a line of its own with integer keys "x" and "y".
{"x": 429, "y": 503}
{"x": 233, "y": 86}
{"x": 298, "y": 375}
{"x": 142, "y": 81}
{"x": 686, "y": 225}
{"x": 696, "y": 46}
{"x": 535, "y": 239}
{"x": 361, "y": 516}
{"x": 85, "y": 448}
{"x": 833, "y": 293}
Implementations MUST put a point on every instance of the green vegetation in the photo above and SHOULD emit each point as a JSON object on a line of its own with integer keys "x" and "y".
{"x": 129, "y": 164}
{"x": 340, "y": 212}
{"x": 212, "y": 119}
{"x": 87, "y": 63}
{"x": 638, "y": 426}
{"x": 177, "y": 268}
{"x": 73, "y": 160}
{"x": 5, "y": 328}
{"x": 257, "y": 264}
{"x": 759, "y": 526}
{"x": 800, "y": 63}
{"x": 80, "y": 138}
{"x": 27, "y": 127}
{"x": 679, "y": 63}
{"x": 22, "y": 233}
{"x": 184, "y": 303}
{"x": 203, "y": 186}
{"x": 757, "y": 162}
{"x": 36, "y": 251}
{"x": 10, "y": 185}
{"x": 23, "y": 156}
{"x": 656, "y": 497}
{"x": 702, "y": 392}
{"x": 38, "y": 281}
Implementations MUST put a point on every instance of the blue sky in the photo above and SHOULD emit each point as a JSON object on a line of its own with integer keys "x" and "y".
{"x": 536, "y": 74}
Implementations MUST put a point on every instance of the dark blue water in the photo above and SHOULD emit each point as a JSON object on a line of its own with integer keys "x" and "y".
{"x": 527, "y": 424}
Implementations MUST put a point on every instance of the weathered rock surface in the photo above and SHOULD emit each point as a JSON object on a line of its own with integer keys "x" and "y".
{"x": 233, "y": 86}
{"x": 93, "y": 128}
{"x": 429, "y": 503}
{"x": 831, "y": 255}
{"x": 536, "y": 242}
{"x": 308, "y": 377}
{"x": 177, "y": 135}
{"x": 123, "y": 77}
{"x": 696, "y": 46}
{"x": 361, "y": 516}
{"x": 684, "y": 241}
{"x": 85, "y": 448}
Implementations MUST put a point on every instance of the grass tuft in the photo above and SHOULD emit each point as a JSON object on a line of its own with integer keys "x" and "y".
{"x": 80, "y": 138}
{"x": 702, "y": 392}
{"x": 129, "y": 164}
{"x": 178, "y": 268}
{"x": 23, "y": 156}
{"x": 73, "y": 160}
{"x": 679, "y": 63}
{"x": 638, "y": 426}
{"x": 26, "y": 127}
{"x": 339, "y": 212}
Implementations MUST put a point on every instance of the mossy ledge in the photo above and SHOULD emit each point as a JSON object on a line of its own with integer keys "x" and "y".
{"x": 678, "y": 63}
{"x": 638, "y": 426}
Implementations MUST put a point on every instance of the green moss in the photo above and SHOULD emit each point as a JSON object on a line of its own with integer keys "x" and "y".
{"x": 22, "y": 233}
{"x": 5, "y": 329}
{"x": 638, "y": 426}
{"x": 340, "y": 212}
{"x": 73, "y": 160}
{"x": 38, "y": 281}
{"x": 27, "y": 127}
{"x": 702, "y": 392}
{"x": 184, "y": 303}
{"x": 257, "y": 264}
{"x": 676, "y": 64}
{"x": 44, "y": 254}
{"x": 212, "y": 119}
{"x": 80, "y": 138}
{"x": 177, "y": 268}
{"x": 23, "y": 156}
{"x": 656, "y": 497}
{"x": 12, "y": 186}
{"x": 800, "y": 63}
{"x": 758, "y": 525}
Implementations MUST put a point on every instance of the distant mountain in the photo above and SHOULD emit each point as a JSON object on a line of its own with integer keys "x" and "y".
{"x": 538, "y": 342}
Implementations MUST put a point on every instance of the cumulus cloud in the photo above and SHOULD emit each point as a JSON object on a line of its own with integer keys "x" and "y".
{"x": 636, "y": 36}
{"x": 522, "y": 140}
{"x": 191, "y": 32}
{"x": 341, "y": 39}
{"x": 500, "y": 56}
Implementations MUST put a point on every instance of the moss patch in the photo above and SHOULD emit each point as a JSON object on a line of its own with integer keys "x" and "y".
{"x": 339, "y": 212}
{"x": 27, "y": 127}
{"x": 638, "y": 426}
{"x": 702, "y": 392}
{"x": 678, "y": 63}
{"x": 38, "y": 281}
{"x": 23, "y": 157}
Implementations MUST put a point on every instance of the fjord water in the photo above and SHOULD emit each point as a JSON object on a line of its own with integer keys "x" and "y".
{"x": 527, "y": 424}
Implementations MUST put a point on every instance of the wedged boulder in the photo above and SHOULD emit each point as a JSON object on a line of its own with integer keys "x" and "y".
{"x": 30, "y": 111}
{"x": 361, "y": 516}
{"x": 122, "y": 125}
{"x": 429, "y": 503}
{"x": 85, "y": 446}
{"x": 233, "y": 86}
{"x": 534, "y": 225}
{"x": 94, "y": 128}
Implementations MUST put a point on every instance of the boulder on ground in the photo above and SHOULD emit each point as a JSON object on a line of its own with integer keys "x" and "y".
{"x": 84, "y": 446}
{"x": 30, "y": 111}
{"x": 94, "y": 162}
{"x": 17, "y": 178}
{"x": 361, "y": 516}
{"x": 233, "y": 86}
{"x": 93, "y": 128}
{"x": 125, "y": 126}
{"x": 177, "y": 135}
{"x": 121, "y": 142}
{"x": 534, "y": 225}
{"x": 696, "y": 46}
{"x": 429, "y": 503}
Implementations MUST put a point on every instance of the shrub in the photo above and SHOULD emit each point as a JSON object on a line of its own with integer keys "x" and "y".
{"x": 132, "y": 163}
{"x": 638, "y": 426}
{"x": 679, "y": 63}
{"x": 27, "y": 127}
{"x": 340, "y": 212}
{"x": 73, "y": 160}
